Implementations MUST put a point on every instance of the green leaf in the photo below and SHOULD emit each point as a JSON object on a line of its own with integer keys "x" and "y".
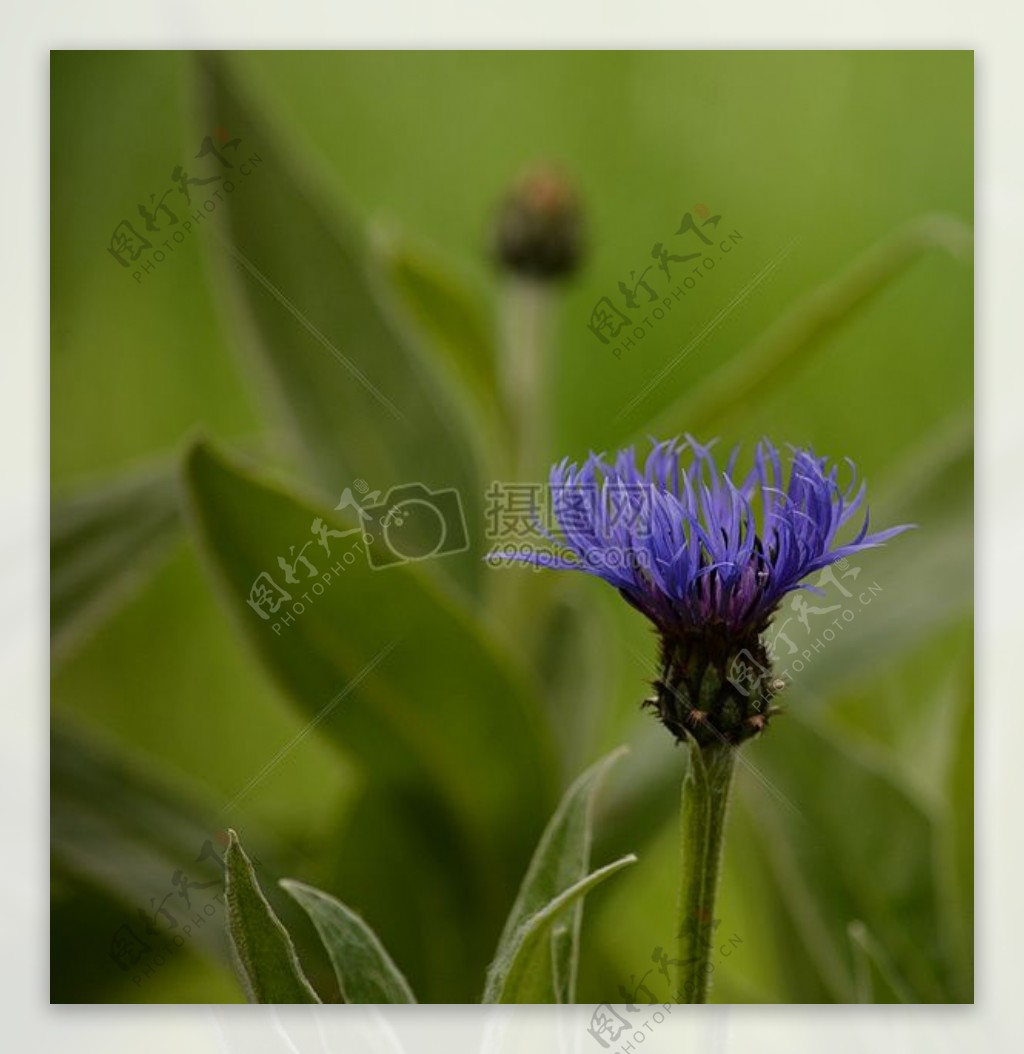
{"x": 441, "y": 928}
{"x": 268, "y": 966}
{"x": 407, "y": 704}
{"x": 520, "y": 973}
{"x": 918, "y": 583}
{"x": 875, "y": 980}
{"x": 791, "y": 341}
{"x": 104, "y": 543}
{"x": 401, "y": 676}
{"x": 885, "y": 746}
{"x": 125, "y": 825}
{"x": 815, "y": 799}
{"x": 365, "y": 971}
{"x": 356, "y": 396}
{"x": 561, "y": 861}
{"x": 814, "y": 971}
{"x": 956, "y": 836}
{"x": 572, "y": 659}
{"x": 440, "y": 309}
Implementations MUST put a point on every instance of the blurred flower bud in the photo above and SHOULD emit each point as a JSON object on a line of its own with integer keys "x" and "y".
{"x": 538, "y": 229}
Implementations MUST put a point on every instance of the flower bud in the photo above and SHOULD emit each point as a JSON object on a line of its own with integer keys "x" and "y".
{"x": 712, "y": 689}
{"x": 538, "y": 227}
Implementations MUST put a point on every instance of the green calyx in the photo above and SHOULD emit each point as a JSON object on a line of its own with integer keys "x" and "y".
{"x": 713, "y": 688}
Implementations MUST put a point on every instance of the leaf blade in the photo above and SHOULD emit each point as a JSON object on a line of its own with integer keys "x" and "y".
{"x": 125, "y": 824}
{"x": 268, "y": 966}
{"x": 355, "y": 396}
{"x": 803, "y": 328}
{"x": 561, "y": 860}
{"x": 242, "y": 521}
{"x": 104, "y": 542}
{"x": 513, "y": 977}
{"x": 406, "y": 707}
{"x": 365, "y": 971}
{"x": 434, "y": 301}
{"x": 875, "y": 979}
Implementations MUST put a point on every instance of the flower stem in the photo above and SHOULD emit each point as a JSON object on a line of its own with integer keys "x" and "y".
{"x": 527, "y": 324}
{"x": 705, "y": 803}
{"x": 527, "y": 318}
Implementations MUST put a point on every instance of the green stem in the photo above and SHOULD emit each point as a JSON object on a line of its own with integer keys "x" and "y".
{"x": 527, "y": 319}
{"x": 527, "y": 327}
{"x": 705, "y": 804}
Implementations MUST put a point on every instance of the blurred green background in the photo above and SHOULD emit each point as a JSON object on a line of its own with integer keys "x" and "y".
{"x": 842, "y": 319}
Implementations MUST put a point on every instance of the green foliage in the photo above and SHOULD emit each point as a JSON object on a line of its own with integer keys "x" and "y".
{"x": 102, "y": 543}
{"x": 264, "y": 952}
{"x": 120, "y": 826}
{"x": 874, "y": 978}
{"x": 440, "y": 312}
{"x": 538, "y": 955}
{"x": 791, "y": 341}
{"x": 348, "y": 374}
{"x": 518, "y": 973}
{"x": 363, "y": 968}
{"x": 407, "y": 735}
{"x": 427, "y": 755}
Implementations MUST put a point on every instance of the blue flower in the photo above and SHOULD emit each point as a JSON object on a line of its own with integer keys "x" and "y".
{"x": 707, "y": 555}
